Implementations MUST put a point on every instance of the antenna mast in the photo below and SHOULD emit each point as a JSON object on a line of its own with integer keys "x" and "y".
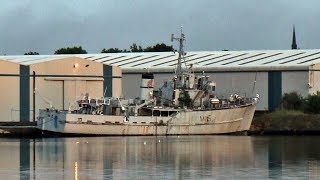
{"x": 181, "y": 51}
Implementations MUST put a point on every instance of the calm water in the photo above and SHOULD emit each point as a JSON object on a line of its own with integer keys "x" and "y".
{"x": 174, "y": 157}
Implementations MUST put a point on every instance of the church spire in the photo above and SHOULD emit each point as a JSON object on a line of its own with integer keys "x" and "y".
{"x": 294, "y": 43}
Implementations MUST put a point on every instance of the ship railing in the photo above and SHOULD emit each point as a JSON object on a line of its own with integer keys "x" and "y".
{"x": 226, "y": 103}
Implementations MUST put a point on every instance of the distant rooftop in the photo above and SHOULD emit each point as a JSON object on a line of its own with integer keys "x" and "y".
{"x": 200, "y": 59}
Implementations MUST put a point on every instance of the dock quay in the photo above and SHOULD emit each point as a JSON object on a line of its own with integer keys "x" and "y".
{"x": 19, "y": 129}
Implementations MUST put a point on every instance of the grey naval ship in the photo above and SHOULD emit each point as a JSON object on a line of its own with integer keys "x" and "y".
{"x": 184, "y": 105}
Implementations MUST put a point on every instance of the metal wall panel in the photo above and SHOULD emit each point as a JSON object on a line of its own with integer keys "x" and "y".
{"x": 242, "y": 83}
{"x": 10, "y": 106}
{"x": 117, "y": 81}
{"x": 48, "y": 93}
{"x": 295, "y": 81}
{"x": 9, "y": 88}
{"x": 131, "y": 85}
{"x": 314, "y": 78}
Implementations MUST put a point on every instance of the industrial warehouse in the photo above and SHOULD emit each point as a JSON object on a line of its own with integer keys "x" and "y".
{"x": 30, "y": 83}
{"x": 60, "y": 80}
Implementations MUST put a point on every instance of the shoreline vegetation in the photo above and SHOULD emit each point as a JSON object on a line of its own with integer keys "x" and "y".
{"x": 285, "y": 122}
{"x": 298, "y": 116}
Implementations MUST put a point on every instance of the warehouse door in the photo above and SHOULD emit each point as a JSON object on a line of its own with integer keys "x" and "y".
{"x": 75, "y": 90}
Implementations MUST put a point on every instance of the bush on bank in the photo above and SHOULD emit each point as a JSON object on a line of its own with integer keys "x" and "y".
{"x": 294, "y": 101}
{"x": 312, "y": 103}
{"x": 297, "y": 115}
{"x": 285, "y": 121}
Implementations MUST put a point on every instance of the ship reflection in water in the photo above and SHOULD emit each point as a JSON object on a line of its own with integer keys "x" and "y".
{"x": 174, "y": 157}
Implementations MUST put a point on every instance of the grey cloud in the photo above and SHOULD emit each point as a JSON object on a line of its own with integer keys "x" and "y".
{"x": 45, "y": 26}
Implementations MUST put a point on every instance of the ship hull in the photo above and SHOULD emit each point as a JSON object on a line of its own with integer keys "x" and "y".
{"x": 185, "y": 122}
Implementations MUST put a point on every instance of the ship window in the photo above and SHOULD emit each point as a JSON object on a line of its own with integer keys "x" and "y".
{"x": 156, "y": 113}
{"x": 199, "y": 83}
{"x": 164, "y": 113}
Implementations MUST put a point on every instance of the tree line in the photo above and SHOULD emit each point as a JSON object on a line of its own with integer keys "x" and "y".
{"x": 160, "y": 47}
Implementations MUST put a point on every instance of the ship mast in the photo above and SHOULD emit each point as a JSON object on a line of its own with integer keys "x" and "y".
{"x": 181, "y": 51}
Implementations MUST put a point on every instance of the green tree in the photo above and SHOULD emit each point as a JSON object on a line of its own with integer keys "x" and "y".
{"x": 292, "y": 101}
{"x": 112, "y": 50}
{"x": 71, "y": 50}
{"x": 158, "y": 48}
{"x": 31, "y": 53}
{"x": 312, "y": 103}
{"x": 135, "y": 48}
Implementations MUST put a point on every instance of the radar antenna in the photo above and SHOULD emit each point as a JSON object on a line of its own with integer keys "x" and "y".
{"x": 181, "y": 51}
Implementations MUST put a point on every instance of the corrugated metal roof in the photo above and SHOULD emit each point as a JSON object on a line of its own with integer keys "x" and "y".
{"x": 219, "y": 59}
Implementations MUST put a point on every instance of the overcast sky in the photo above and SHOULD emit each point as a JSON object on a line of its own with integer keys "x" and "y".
{"x": 47, "y": 25}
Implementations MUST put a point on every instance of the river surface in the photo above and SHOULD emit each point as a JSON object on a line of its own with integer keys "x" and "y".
{"x": 172, "y": 157}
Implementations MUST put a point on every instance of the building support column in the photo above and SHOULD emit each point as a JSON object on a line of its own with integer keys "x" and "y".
{"x": 274, "y": 90}
{"x": 24, "y": 93}
{"x": 107, "y": 80}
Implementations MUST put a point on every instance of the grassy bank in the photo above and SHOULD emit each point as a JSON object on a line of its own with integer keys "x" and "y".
{"x": 286, "y": 122}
